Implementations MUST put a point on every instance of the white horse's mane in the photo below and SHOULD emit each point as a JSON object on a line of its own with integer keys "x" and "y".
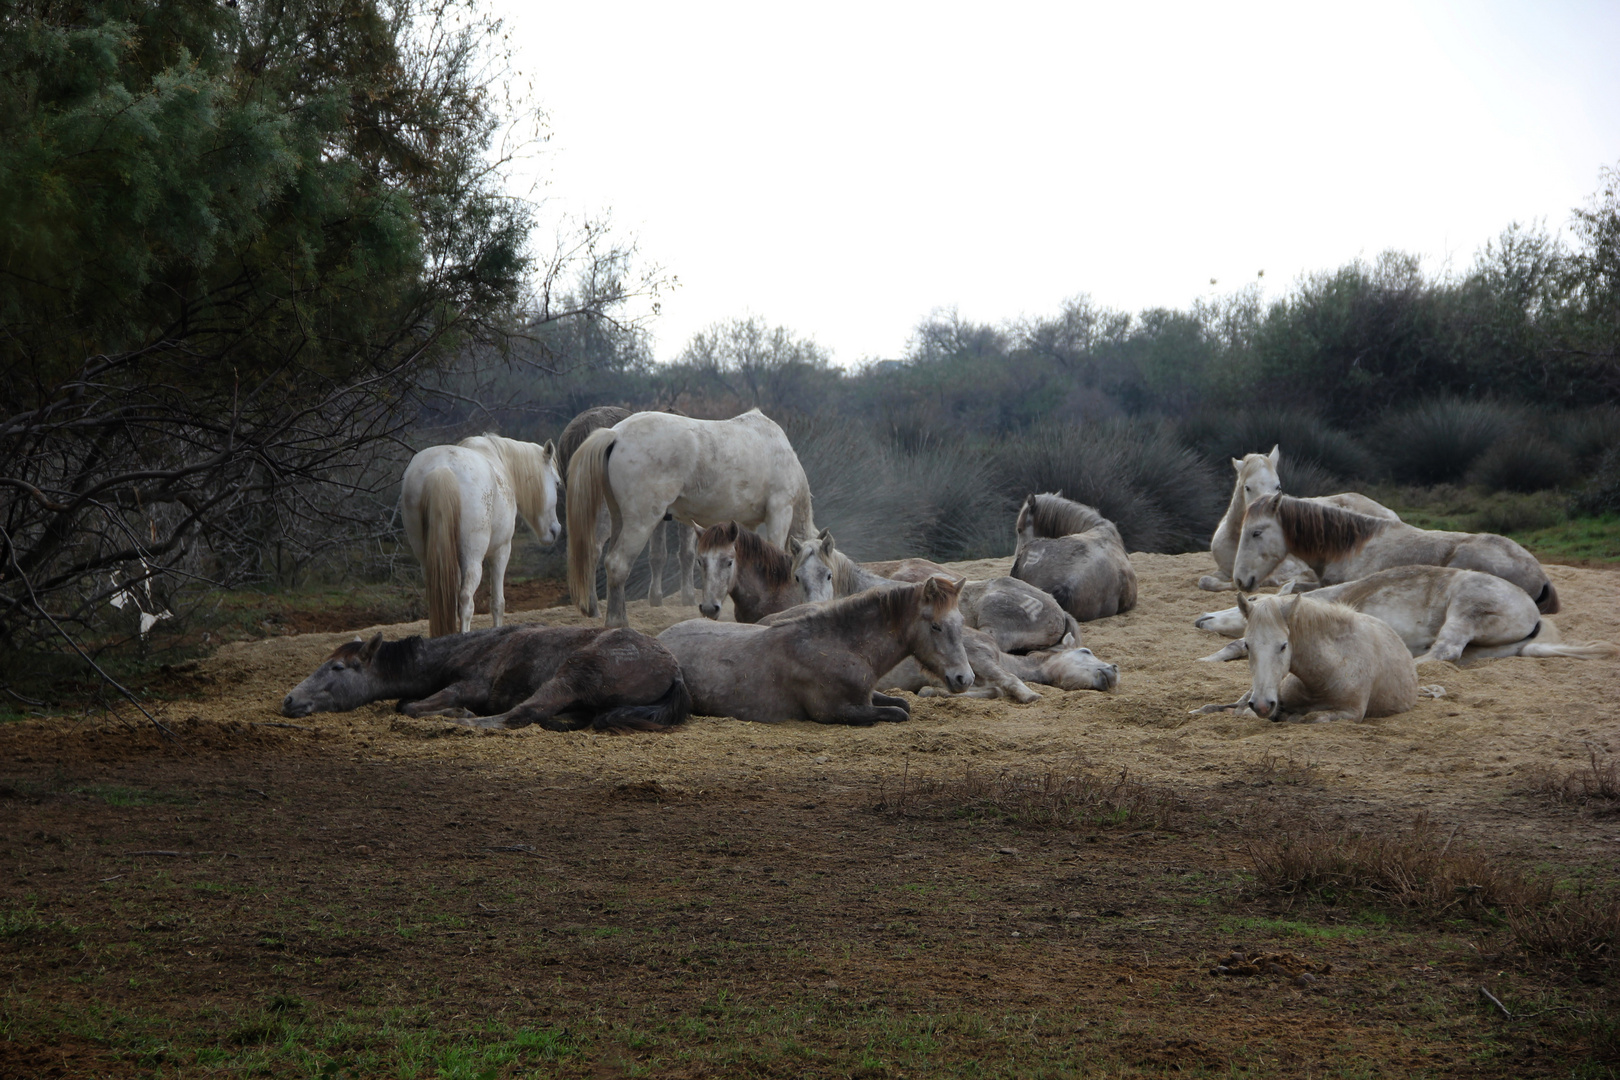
{"x": 527, "y": 464}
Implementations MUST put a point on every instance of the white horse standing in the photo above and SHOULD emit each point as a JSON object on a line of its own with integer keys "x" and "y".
{"x": 1257, "y": 478}
{"x": 460, "y": 504}
{"x": 699, "y": 471}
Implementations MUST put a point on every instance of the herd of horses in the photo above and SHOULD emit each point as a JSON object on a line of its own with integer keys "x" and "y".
{"x": 1363, "y": 597}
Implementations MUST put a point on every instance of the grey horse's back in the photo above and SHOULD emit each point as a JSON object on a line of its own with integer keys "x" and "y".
{"x": 600, "y": 416}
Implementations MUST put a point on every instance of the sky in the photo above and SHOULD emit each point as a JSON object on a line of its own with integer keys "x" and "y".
{"x": 847, "y": 169}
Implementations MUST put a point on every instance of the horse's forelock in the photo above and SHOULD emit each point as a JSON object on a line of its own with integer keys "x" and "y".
{"x": 712, "y": 537}
{"x": 773, "y": 564}
{"x": 1313, "y": 618}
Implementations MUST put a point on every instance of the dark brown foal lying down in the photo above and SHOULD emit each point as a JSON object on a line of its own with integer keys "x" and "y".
{"x": 560, "y": 677}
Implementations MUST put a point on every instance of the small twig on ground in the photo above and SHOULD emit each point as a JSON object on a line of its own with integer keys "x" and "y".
{"x": 280, "y": 723}
{"x": 168, "y": 854}
{"x": 1490, "y": 997}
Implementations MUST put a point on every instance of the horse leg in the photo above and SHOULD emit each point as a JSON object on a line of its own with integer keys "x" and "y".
{"x": 688, "y": 557}
{"x": 778, "y": 520}
{"x": 1237, "y": 706}
{"x": 1216, "y": 582}
{"x": 858, "y": 715}
{"x": 628, "y": 540}
{"x": 891, "y": 702}
{"x": 1449, "y": 643}
{"x": 472, "y": 572}
{"x": 497, "y": 581}
{"x": 457, "y": 701}
{"x": 657, "y": 553}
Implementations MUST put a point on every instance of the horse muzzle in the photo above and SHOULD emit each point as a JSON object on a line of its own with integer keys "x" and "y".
{"x": 294, "y": 709}
{"x": 709, "y": 611}
{"x": 959, "y": 680}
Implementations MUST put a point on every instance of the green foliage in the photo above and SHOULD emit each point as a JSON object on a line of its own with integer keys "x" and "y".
{"x": 1304, "y": 438}
{"x": 1602, "y": 494}
{"x": 1527, "y": 462}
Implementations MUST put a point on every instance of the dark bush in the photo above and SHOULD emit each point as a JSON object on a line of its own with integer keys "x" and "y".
{"x": 1438, "y": 442}
{"x": 1307, "y": 479}
{"x": 1587, "y": 434}
{"x": 1523, "y": 463}
{"x": 1304, "y": 438}
{"x": 1602, "y": 494}
{"x": 1163, "y": 496}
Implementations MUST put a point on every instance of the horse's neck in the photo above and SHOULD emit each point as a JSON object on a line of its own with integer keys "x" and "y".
{"x": 1235, "y": 506}
{"x": 413, "y": 670}
{"x": 526, "y": 467}
{"x": 851, "y": 577}
{"x": 752, "y": 590}
{"x": 872, "y": 638}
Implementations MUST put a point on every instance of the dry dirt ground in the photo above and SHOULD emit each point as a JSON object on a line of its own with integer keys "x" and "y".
{"x": 365, "y": 894}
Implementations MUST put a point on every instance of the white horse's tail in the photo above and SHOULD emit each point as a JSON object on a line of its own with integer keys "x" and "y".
{"x": 1592, "y": 650}
{"x": 441, "y": 562}
{"x": 587, "y": 491}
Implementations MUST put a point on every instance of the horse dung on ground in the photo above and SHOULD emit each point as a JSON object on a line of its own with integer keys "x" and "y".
{"x": 698, "y": 471}
{"x": 823, "y": 664}
{"x": 562, "y": 678}
{"x": 460, "y": 506}
{"x": 1315, "y": 661}
{"x": 1073, "y": 553}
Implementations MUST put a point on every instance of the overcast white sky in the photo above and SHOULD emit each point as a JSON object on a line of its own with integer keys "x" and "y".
{"x": 844, "y": 169}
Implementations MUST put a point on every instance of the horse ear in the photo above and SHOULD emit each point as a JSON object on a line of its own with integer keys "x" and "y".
{"x": 1275, "y": 455}
{"x": 827, "y": 544}
{"x": 1291, "y": 604}
{"x": 1237, "y": 465}
{"x": 551, "y": 450}
{"x": 793, "y": 546}
{"x": 939, "y": 587}
{"x": 823, "y": 534}
{"x": 369, "y": 649}
{"x": 732, "y": 529}
{"x": 1243, "y": 605}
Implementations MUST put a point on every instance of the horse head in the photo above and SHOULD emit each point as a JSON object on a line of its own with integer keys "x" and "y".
{"x": 1257, "y": 474}
{"x": 717, "y": 551}
{"x": 344, "y": 681}
{"x": 1262, "y": 544}
{"x": 813, "y": 566}
{"x": 936, "y": 639}
{"x": 1270, "y": 654}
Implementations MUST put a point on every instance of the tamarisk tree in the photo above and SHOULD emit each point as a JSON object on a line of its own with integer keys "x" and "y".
{"x": 233, "y": 236}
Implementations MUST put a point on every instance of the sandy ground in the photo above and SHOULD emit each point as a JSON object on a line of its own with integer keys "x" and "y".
{"x": 1466, "y": 757}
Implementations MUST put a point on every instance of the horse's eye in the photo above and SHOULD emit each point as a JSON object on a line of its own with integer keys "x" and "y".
{"x": 338, "y": 666}
{"x": 1255, "y": 534}
{"x": 1283, "y": 647}
{"x": 936, "y": 628}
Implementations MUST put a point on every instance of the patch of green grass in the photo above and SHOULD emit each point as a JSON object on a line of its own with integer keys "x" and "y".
{"x": 1294, "y": 928}
{"x": 1587, "y": 539}
{"x": 114, "y": 795}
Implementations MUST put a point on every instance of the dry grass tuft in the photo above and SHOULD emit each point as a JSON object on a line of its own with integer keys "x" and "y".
{"x": 1414, "y": 869}
{"x": 1055, "y": 798}
{"x": 1595, "y": 785}
{"x": 1418, "y": 870}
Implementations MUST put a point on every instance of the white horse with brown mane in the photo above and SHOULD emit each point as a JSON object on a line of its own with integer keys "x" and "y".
{"x": 461, "y": 504}
{"x": 1314, "y": 661}
{"x": 1340, "y": 545}
{"x": 698, "y": 471}
{"x": 1440, "y": 612}
{"x": 1256, "y": 478}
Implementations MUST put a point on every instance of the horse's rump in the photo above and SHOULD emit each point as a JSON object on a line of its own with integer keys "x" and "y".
{"x": 441, "y": 561}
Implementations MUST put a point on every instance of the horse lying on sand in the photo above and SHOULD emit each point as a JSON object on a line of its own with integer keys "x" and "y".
{"x": 1315, "y": 661}
{"x": 650, "y": 465}
{"x": 561, "y": 677}
{"x": 1019, "y": 616}
{"x": 1340, "y": 546}
{"x": 1257, "y": 477}
{"x": 823, "y": 664}
{"x": 1069, "y": 550}
{"x": 1001, "y": 674}
{"x": 741, "y": 564}
{"x": 1440, "y": 612}
{"x": 658, "y": 549}
{"x": 460, "y": 506}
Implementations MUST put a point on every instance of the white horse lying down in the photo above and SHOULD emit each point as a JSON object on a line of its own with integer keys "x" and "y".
{"x": 1314, "y": 661}
{"x": 1000, "y": 674}
{"x": 822, "y": 664}
{"x": 698, "y": 471}
{"x": 1256, "y": 478}
{"x": 460, "y": 505}
{"x": 1021, "y": 617}
{"x": 1343, "y": 546}
{"x": 1440, "y": 612}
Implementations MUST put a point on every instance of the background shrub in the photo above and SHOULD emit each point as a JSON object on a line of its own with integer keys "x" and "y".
{"x": 1523, "y": 462}
{"x": 1439, "y": 441}
{"x": 1162, "y": 495}
{"x": 1602, "y": 494}
{"x": 1304, "y": 438}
